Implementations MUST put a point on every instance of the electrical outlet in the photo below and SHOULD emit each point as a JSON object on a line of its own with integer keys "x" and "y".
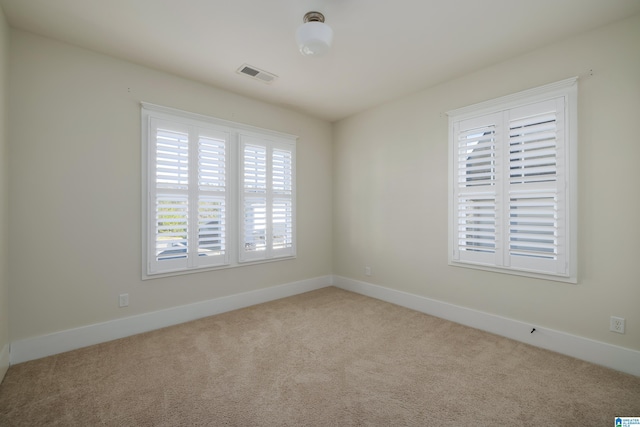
{"x": 367, "y": 271}
{"x": 123, "y": 300}
{"x": 616, "y": 324}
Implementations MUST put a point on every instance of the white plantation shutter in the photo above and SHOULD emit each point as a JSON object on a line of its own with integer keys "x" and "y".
{"x": 476, "y": 189}
{"x": 216, "y": 193}
{"x": 533, "y": 227}
{"x": 282, "y": 214}
{"x": 255, "y": 225}
{"x": 212, "y": 197}
{"x": 171, "y": 228}
{"x": 512, "y": 206}
{"x": 170, "y": 197}
{"x": 187, "y": 195}
{"x": 282, "y": 205}
{"x": 267, "y": 193}
{"x": 536, "y": 185}
{"x": 254, "y": 178}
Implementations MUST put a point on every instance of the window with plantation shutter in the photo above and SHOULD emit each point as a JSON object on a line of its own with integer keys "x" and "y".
{"x": 513, "y": 184}
{"x": 267, "y": 182}
{"x": 217, "y": 193}
{"x": 187, "y": 196}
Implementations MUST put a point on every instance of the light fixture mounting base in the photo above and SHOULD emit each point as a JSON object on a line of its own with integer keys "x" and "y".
{"x": 313, "y": 17}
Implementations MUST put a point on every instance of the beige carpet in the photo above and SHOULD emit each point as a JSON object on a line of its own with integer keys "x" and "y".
{"x": 325, "y": 358}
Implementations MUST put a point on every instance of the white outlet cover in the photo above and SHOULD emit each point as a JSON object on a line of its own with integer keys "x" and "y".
{"x": 616, "y": 324}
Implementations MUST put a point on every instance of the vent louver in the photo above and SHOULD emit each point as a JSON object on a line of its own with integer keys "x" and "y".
{"x": 257, "y": 73}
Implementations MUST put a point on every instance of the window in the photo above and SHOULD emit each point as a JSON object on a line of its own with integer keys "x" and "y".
{"x": 512, "y": 205}
{"x": 217, "y": 193}
{"x": 267, "y": 199}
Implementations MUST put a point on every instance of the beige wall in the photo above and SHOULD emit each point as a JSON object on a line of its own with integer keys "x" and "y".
{"x": 4, "y": 201}
{"x": 390, "y": 191}
{"x": 75, "y": 188}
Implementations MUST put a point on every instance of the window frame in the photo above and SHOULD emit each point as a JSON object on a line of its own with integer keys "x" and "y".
{"x": 565, "y": 90}
{"x": 233, "y": 210}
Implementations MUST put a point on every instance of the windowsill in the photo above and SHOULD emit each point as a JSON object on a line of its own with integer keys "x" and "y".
{"x": 181, "y": 272}
{"x": 523, "y": 273}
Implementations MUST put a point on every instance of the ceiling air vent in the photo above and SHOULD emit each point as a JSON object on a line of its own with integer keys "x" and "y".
{"x": 257, "y": 73}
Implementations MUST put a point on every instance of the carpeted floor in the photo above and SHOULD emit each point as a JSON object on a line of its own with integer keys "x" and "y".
{"x": 324, "y": 358}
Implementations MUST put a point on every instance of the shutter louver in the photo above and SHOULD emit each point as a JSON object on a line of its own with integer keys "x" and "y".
{"x": 212, "y": 164}
{"x": 255, "y": 169}
{"x": 477, "y": 223}
{"x": 282, "y": 223}
{"x": 172, "y": 213}
{"x": 476, "y": 157}
{"x": 211, "y": 226}
{"x": 172, "y": 159}
{"x": 282, "y": 172}
{"x": 475, "y": 189}
{"x": 532, "y": 149}
{"x": 533, "y": 226}
{"x": 255, "y": 224}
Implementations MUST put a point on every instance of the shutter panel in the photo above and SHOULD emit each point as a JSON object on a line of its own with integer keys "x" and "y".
{"x": 188, "y": 190}
{"x": 169, "y": 195}
{"x": 476, "y": 156}
{"x": 211, "y": 226}
{"x": 282, "y": 215}
{"x": 255, "y": 169}
{"x": 212, "y": 165}
{"x": 268, "y": 220}
{"x": 171, "y": 158}
{"x": 475, "y": 170}
{"x": 212, "y": 198}
{"x": 254, "y": 205}
{"x": 533, "y": 226}
{"x": 536, "y": 184}
{"x": 477, "y": 223}
{"x": 532, "y": 149}
{"x": 255, "y": 226}
{"x": 282, "y": 206}
{"x": 282, "y": 172}
{"x": 171, "y": 226}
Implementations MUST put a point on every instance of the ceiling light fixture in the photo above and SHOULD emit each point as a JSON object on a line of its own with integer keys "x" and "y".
{"x": 314, "y": 36}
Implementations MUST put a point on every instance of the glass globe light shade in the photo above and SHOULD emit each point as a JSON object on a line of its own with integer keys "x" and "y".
{"x": 314, "y": 38}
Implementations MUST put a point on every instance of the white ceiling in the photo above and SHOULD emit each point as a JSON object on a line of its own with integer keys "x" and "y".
{"x": 382, "y": 49}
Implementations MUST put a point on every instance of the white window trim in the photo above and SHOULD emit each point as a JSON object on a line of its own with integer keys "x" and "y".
{"x": 566, "y": 88}
{"x": 234, "y": 212}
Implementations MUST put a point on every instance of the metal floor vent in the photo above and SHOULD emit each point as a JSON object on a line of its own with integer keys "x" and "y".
{"x": 256, "y": 73}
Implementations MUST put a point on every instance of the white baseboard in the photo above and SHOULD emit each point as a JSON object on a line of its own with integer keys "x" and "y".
{"x": 71, "y": 339}
{"x": 4, "y": 361}
{"x": 611, "y": 356}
